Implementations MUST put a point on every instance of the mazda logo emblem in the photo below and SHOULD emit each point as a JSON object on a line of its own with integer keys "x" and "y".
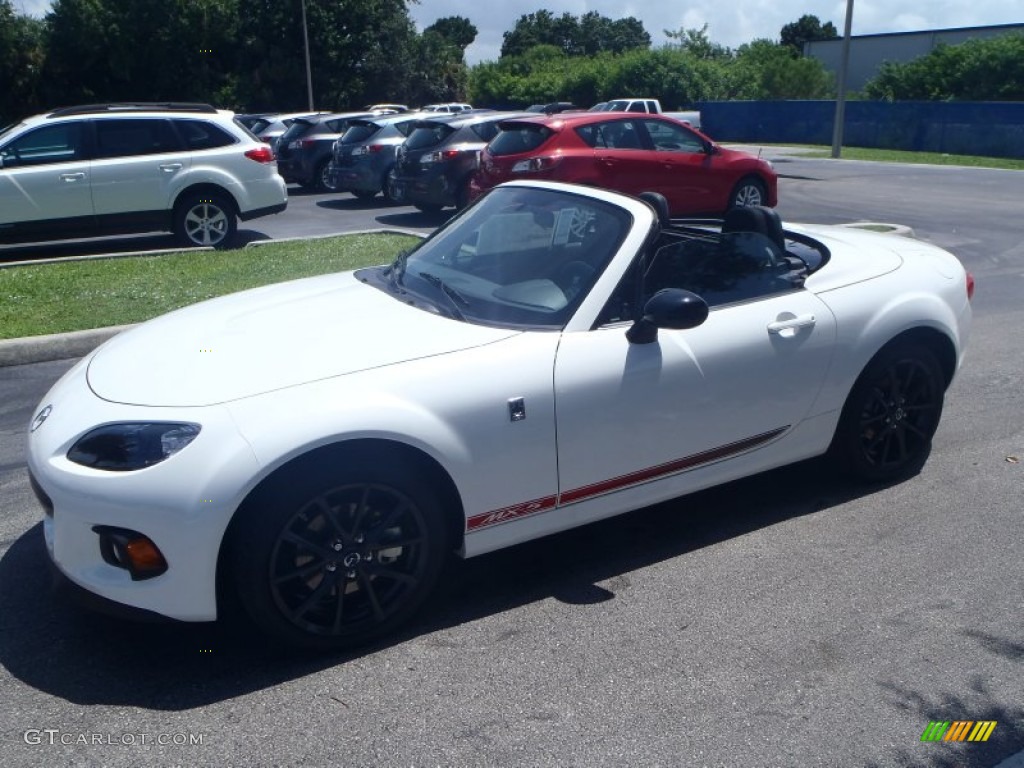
{"x": 352, "y": 559}
{"x": 42, "y": 416}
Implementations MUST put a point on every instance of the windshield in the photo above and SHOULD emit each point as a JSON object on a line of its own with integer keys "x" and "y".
{"x": 521, "y": 257}
{"x": 9, "y": 128}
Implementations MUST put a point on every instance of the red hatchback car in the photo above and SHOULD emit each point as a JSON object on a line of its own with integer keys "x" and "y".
{"x": 629, "y": 153}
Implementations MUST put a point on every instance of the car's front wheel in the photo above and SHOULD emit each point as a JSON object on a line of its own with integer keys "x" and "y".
{"x": 886, "y": 427}
{"x": 749, "y": 191}
{"x": 205, "y": 219}
{"x": 339, "y": 555}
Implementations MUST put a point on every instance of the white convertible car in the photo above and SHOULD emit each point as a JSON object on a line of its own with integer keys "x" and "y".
{"x": 551, "y": 356}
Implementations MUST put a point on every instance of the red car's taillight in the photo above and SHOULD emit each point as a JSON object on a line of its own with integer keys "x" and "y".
{"x": 261, "y": 154}
{"x": 970, "y": 286}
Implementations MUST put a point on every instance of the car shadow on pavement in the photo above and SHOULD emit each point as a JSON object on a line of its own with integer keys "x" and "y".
{"x": 52, "y": 645}
{"x": 416, "y": 219}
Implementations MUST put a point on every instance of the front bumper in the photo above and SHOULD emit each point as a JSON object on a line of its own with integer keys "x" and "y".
{"x": 182, "y": 504}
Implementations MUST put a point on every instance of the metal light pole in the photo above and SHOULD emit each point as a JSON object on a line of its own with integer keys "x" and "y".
{"x": 844, "y": 61}
{"x": 309, "y": 75}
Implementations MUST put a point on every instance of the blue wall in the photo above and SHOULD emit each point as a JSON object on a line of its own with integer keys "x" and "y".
{"x": 990, "y": 129}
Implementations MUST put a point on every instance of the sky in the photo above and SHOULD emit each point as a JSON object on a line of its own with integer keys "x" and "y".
{"x": 730, "y": 22}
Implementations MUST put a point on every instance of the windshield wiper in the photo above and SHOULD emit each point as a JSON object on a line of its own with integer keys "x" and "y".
{"x": 454, "y": 297}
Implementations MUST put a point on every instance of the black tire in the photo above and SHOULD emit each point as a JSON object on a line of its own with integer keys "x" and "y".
{"x": 320, "y": 180}
{"x": 887, "y": 424}
{"x": 428, "y": 207}
{"x": 205, "y": 219}
{"x": 364, "y": 194}
{"x": 338, "y": 555}
{"x": 462, "y": 196}
{"x": 749, "y": 191}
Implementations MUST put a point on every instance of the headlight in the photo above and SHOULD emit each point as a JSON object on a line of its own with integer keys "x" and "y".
{"x": 134, "y": 445}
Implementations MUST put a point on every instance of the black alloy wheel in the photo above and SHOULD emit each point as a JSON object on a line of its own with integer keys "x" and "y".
{"x": 891, "y": 415}
{"x": 341, "y": 561}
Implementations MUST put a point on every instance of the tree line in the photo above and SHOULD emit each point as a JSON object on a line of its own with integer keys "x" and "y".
{"x": 248, "y": 55}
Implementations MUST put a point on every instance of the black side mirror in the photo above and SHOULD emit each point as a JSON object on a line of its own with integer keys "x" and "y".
{"x": 671, "y": 308}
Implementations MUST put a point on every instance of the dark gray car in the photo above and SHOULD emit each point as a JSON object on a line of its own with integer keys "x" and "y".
{"x": 304, "y": 150}
{"x": 434, "y": 165}
{"x": 365, "y": 153}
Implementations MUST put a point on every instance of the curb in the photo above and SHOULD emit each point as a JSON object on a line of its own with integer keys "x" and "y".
{"x": 58, "y": 346}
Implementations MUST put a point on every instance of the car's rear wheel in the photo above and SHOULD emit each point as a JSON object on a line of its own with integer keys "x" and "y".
{"x": 462, "y": 196}
{"x": 205, "y": 219}
{"x": 339, "y": 557}
{"x": 322, "y": 180}
{"x": 887, "y": 424}
{"x": 749, "y": 191}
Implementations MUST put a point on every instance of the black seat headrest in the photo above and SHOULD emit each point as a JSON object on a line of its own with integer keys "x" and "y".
{"x": 658, "y": 202}
{"x": 755, "y": 218}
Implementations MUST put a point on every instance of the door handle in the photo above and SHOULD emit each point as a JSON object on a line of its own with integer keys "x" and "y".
{"x": 793, "y": 324}
{"x": 609, "y": 160}
{"x": 72, "y": 176}
{"x": 170, "y": 167}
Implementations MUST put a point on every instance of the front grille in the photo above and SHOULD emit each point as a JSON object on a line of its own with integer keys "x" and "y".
{"x": 44, "y": 500}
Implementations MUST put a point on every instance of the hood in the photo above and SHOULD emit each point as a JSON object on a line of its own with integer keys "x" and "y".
{"x": 269, "y": 338}
{"x": 855, "y": 255}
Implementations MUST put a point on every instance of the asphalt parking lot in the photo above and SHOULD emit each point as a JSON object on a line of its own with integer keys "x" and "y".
{"x": 790, "y": 619}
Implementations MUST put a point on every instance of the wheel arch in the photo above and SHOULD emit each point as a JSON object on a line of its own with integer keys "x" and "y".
{"x": 203, "y": 188}
{"x": 379, "y": 450}
{"x": 937, "y": 342}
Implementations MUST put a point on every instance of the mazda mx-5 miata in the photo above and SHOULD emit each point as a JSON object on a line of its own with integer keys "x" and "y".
{"x": 553, "y": 355}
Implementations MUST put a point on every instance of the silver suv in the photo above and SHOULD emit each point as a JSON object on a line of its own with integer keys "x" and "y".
{"x": 116, "y": 168}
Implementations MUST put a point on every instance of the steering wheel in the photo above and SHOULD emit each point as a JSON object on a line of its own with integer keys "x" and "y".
{"x": 572, "y": 276}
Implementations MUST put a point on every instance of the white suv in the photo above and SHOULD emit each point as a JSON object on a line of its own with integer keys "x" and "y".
{"x": 115, "y": 168}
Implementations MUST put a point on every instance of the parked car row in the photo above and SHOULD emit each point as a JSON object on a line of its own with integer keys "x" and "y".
{"x": 196, "y": 170}
{"x": 437, "y": 161}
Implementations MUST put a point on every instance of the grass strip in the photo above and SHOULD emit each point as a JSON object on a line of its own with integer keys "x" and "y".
{"x": 73, "y": 296}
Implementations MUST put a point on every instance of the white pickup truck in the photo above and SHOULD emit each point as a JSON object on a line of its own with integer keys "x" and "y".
{"x": 628, "y": 105}
{"x": 650, "y": 106}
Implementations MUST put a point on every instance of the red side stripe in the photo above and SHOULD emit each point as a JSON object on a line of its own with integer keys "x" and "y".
{"x": 527, "y": 508}
{"x": 670, "y": 468}
{"x": 514, "y": 512}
